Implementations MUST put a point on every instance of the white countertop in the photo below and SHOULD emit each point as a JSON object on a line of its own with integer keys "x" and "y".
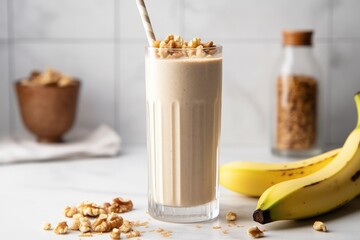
{"x": 33, "y": 193}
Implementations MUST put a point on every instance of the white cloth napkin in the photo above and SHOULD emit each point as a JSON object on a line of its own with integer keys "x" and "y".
{"x": 103, "y": 141}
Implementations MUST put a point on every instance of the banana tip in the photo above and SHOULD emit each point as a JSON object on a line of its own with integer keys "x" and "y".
{"x": 262, "y": 216}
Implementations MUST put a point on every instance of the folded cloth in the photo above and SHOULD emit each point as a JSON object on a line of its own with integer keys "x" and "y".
{"x": 103, "y": 141}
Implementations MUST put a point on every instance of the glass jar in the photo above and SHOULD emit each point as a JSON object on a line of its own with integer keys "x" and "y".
{"x": 296, "y": 130}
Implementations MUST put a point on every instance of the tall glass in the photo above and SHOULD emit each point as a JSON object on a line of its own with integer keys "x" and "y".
{"x": 183, "y": 98}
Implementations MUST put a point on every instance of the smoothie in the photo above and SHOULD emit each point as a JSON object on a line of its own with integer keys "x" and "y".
{"x": 183, "y": 98}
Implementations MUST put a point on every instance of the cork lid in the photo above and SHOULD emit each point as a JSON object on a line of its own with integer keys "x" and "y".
{"x": 297, "y": 37}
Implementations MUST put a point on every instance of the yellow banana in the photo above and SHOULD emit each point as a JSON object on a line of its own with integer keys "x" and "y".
{"x": 253, "y": 178}
{"x": 327, "y": 189}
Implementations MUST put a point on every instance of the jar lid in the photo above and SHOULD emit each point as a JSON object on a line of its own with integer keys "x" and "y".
{"x": 297, "y": 37}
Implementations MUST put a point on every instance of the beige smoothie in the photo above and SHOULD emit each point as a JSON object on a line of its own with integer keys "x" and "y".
{"x": 183, "y": 97}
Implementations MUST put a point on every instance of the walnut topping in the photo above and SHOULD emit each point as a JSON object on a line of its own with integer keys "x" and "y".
{"x": 115, "y": 234}
{"x": 61, "y": 228}
{"x": 231, "y": 216}
{"x": 174, "y": 46}
{"x": 91, "y": 209}
{"x": 70, "y": 211}
{"x": 319, "y": 226}
{"x": 120, "y": 205}
{"x": 255, "y": 232}
{"x": 126, "y": 227}
{"x": 216, "y": 227}
{"x": 46, "y": 226}
{"x": 134, "y": 233}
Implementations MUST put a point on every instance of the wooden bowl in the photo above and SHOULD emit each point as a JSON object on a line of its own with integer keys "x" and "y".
{"x": 48, "y": 111}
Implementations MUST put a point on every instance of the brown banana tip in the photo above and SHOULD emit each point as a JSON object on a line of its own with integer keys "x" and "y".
{"x": 261, "y": 216}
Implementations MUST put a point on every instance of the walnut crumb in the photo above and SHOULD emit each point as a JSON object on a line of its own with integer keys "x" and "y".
{"x": 255, "y": 232}
{"x": 231, "y": 216}
{"x": 46, "y": 226}
{"x": 319, "y": 226}
{"x": 134, "y": 233}
{"x": 87, "y": 234}
{"x": 225, "y": 231}
{"x": 216, "y": 227}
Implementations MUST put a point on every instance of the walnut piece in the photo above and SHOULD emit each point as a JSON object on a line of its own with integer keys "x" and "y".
{"x": 120, "y": 205}
{"x": 319, "y": 226}
{"x": 134, "y": 233}
{"x": 46, "y": 226}
{"x": 101, "y": 224}
{"x": 231, "y": 216}
{"x": 255, "y": 232}
{"x": 61, "y": 228}
{"x": 70, "y": 211}
{"x": 126, "y": 227}
{"x": 114, "y": 220}
{"x": 49, "y": 77}
{"x": 85, "y": 225}
{"x": 91, "y": 209}
{"x": 76, "y": 223}
{"x": 115, "y": 234}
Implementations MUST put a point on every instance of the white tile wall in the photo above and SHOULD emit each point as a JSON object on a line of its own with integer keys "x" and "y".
{"x": 254, "y": 19}
{"x": 345, "y": 83}
{"x": 165, "y": 18}
{"x": 131, "y": 93}
{"x": 4, "y": 90}
{"x": 3, "y": 19}
{"x": 72, "y": 19}
{"x": 346, "y": 19}
{"x": 102, "y": 42}
{"x": 92, "y": 63}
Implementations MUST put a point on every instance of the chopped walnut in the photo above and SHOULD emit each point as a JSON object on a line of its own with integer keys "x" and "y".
{"x": 70, "y": 211}
{"x": 91, "y": 209}
{"x": 76, "y": 223}
{"x": 114, "y": 220}
{"x": 174, "y": 46}
{"x": 46, "y": 226}
{"x": 120, "y": 205}
{"x": 231, "y": 216}
{"x": 319, "y": 226}
{"x": 115, "y": 234}
{"x": 255, "y": 232}
{"x": 101, "y": 224}
{"x": 134, "y": 233}
{"x": 85, "y": 225}
{"x": 216, "y": 227}
{"x": 126, "y": 227}
{"x": 61, "y": 228}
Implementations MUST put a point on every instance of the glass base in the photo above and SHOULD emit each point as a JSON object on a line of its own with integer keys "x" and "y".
{"x": 297, "y": 153}
{"x": 198, "y": 213}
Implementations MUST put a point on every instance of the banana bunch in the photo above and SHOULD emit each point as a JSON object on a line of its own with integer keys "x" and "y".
{"x": 334, "y": 182}
{"x": 330, "y": 187}
{"x": 253, "y": 178}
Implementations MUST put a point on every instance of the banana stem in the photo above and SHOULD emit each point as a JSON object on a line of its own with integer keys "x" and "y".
{"x": 357, "y": 102}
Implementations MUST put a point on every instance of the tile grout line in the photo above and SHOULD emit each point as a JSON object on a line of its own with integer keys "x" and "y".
{"x": 115, "y": 70}
{"x": 330, "y": 73}
{"x": 11, "y": 56}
